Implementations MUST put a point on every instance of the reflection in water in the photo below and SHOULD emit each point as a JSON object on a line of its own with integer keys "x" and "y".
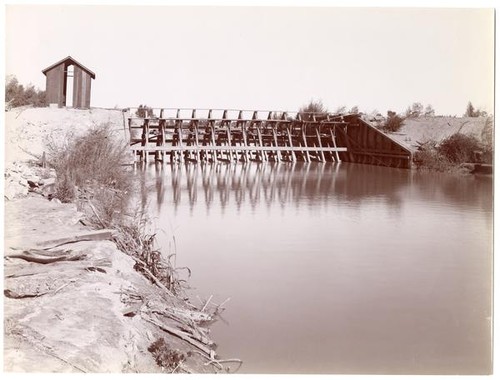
{"x": 222, "y": 185}
{"x": 336, "y": 268}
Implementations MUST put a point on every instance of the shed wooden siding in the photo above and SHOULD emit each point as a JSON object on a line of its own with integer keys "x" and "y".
{"x": 57, "y": 79}
{"x": 81, "y": 88}
{"x": 55, "y": 86}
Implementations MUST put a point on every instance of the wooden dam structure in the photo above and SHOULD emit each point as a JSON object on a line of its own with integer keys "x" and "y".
{"x": 209, "y": 135}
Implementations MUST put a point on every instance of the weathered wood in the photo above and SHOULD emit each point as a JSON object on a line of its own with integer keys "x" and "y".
{"x": 243, "y": 148}
{"x": 85, "y": 236}
{"x": 228, "y": 139}
{"x": 178, "y": 333}
{"x": 35, "y": 257}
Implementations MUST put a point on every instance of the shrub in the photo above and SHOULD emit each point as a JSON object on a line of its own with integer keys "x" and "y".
{"x": 314, "y": 107}
{"x": 394, "y": 122}
{"x": 65, "y": 189}
{"x": 430, "y": 159}
{"x": 166, "y": 357}
{"x": 92, "y": 162}
{"x": 16, "y": 95}
{"x": 460, "y": 148}
{"x": 145, "y": 111}
{"x": 415, "y": 110}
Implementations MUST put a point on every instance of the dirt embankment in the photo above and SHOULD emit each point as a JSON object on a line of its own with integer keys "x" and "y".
{"x": 72, "y": 301}
{"x": 422, "y": 129}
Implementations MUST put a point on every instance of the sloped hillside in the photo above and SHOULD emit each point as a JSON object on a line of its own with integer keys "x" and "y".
{"x": 418, "y": 130}
{"x": 29, "y": 130}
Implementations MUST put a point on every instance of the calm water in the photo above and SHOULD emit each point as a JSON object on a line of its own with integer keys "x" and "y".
{"x": 335, "y": 268}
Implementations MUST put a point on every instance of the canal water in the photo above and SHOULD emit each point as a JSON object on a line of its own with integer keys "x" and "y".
{"x": 334, "y": 268}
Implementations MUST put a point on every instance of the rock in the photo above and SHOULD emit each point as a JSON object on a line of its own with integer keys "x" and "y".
{"x": 33, "y": 178}
{"x": 49, "y": 181}
{"x": 23, "y": 182}
{"x": 32, "y": 184}
{"x": 13, "y": 189}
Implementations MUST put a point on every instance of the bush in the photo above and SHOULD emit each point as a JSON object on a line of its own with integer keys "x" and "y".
{"x": 460, "y": 148}
{"x": 393, "y": 123}
{"x": 16, "y": 95}
{"x": 430, "y": 159}
{"x": 92, "y": 162}
{"x": 144, "y": 111}
{"x": 314, "y": 107}
{"x": 65, "y": 189}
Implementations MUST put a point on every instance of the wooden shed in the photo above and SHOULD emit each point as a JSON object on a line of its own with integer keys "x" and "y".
{"x": 58, "y": 87}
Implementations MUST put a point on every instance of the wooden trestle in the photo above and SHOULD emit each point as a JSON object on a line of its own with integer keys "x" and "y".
{"x": 179, "y": 135}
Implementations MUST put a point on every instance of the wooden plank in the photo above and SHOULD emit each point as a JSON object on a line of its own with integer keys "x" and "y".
{"x": 243, "y": 148}
{"x": 320, "y": 145}
{"x": 335, "y": 146}
{"x": 85, "y": 236}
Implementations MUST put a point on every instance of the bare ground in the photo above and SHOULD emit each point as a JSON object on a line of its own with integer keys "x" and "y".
{"x": 91, "y": 311}
{"x": 422, "y": 129}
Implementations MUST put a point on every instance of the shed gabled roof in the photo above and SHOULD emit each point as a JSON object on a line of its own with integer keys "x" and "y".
{"x": 70, "y": 61}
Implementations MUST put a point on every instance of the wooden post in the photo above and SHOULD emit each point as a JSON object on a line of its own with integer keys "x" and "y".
{"x": 196, "y": 139}
{"x": 263, "y": 155}
{"x": 278, "y": 153}
{"x": 294, "y": 157}
{"x": 320, "y": 145}
{"x": 308, "y": 159}
{"x": 228, "y": 132}
{"x": 145, "y": 139}
{"x": 214, "y": 152}
{"x": 160, "y": 139}
{"x": 180, "y": 134}
{"x": 335, "y": 145}
{"x": 244, "y": 136}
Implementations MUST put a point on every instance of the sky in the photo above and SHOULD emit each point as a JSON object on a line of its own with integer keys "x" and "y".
{"x": 265, "y": 58}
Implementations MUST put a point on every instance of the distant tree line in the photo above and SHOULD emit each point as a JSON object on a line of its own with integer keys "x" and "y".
{"x": 17, "y": 95}
{"x": 471, "y": 112}
{"x": 144, "y": 111}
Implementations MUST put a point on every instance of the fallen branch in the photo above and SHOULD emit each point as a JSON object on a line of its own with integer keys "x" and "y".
{"x": 37, "y": 258}
{"x": 206, "y": 303}
{"x": 90, "y": 235}
{"x": 13, "y": 294}
{"x": 179, "y": 334}
{"x": 153, "y": 277}
{"x": 216, "y": 362}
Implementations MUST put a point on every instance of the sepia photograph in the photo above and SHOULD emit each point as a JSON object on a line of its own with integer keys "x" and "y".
{"x": 270, "y": 188}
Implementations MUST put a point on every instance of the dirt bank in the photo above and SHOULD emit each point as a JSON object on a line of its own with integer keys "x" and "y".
{"x": 419, "y": 130}
{"x": 73, "y": 302}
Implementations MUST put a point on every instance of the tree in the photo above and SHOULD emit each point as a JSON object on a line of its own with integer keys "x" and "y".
{"x": 16, "y": 95}
{"x": 340, "y": 110}
{"x": 470, "y": 111}
{"x": 429, "y": 111}
{"x": 459, "y": 148}
{"x": 315, "y": 108}
{"x": 415, "y": 110}
{"x": 393, "y": 123}
{"x": 145, "y": 111}
{"x": 354, "y": 110}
